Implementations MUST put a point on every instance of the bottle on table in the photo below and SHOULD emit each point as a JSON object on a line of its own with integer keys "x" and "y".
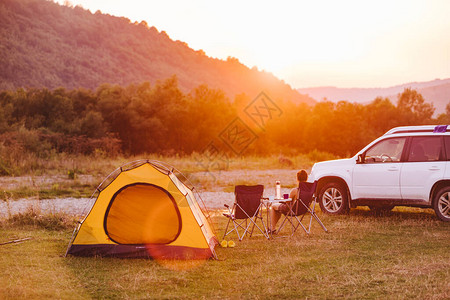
{"x": 278, "y": 190}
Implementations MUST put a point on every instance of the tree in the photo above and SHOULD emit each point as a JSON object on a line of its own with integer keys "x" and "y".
{"x": 381, "y": 115}
{"x": 445, "y": 117}
{"x": 93, "y": 125}
{"x": 413, "y": 109}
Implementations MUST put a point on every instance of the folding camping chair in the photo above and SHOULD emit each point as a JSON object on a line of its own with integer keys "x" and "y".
{"x": 246, "y": 211}
{"x": 298, "y": 208}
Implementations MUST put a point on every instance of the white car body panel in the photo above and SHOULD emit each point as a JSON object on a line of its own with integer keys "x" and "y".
{"x": 341, "y": 168}
{"x": 417, "y": 178}
{"x": 376, "y": 181}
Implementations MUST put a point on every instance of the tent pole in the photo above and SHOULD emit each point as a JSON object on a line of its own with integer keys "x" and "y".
{"x": 72, "y": 238}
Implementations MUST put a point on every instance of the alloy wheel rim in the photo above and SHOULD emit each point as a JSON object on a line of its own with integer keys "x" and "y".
{"x": 332, "y": 199}
{"x": 444, "y": 205}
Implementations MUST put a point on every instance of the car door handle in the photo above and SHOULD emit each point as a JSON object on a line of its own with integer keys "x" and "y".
{"x": 434, "y": 168}
{"x": 392, "y": 169}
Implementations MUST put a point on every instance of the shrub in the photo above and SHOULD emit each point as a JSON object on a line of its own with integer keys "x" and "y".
{"x": 5, "y": 170}
{"x": 48, "y": 221}
{"x": 317, "y": 155}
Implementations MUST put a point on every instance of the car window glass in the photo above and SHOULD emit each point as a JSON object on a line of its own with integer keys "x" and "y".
{"x": 389, "y": 150}
{"x": 447, "y": 146}
{"x": 425, "y": 148}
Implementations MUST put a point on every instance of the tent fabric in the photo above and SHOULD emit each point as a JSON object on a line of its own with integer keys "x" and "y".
{"x": 140, "y": 206}
{"x": 144, "y": 210}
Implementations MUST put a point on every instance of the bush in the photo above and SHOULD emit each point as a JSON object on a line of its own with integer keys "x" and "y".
{"x": 49, "y": 221}
{"x": 5, "y": 170}
{"x": 317, "y": 156}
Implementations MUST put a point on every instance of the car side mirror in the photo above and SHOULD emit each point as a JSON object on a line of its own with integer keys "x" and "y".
{"x": 360, "y": 159}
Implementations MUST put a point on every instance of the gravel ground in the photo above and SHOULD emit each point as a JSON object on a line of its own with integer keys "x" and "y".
{"x": 75, "y": 206}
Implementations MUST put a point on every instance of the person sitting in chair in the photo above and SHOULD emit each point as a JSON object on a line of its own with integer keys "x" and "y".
{"x": 278, "y": 209}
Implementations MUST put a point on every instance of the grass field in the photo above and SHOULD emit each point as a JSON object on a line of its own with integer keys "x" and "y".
{"x": 400, "y": 256}
{"x": 403, "y": 255}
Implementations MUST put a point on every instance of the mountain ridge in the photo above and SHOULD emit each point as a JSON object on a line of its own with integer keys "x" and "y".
{"x": 434, "y": 91}
{"x": 44, "y": 44}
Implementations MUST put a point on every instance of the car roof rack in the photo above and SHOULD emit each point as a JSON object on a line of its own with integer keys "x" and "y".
{"x": 418, "y": 129}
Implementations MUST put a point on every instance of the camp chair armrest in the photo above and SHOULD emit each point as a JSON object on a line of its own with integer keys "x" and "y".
{"x": 226, "y": 205}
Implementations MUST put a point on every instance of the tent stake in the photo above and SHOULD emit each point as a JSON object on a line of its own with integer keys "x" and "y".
{"x": 15, "y": 241}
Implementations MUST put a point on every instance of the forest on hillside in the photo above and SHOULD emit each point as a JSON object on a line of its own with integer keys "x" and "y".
{"x": 160, "y": 118}
{"x": 44, "y": 44}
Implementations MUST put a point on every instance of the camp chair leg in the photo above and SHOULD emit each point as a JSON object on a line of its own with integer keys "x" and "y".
{"x": 239, "y": 225}
{"x": 309, "y": 208}
{"x": 262, "y": 230}
{"x": 252, "y": 222}
{"x": 234, "y": 229}
{"x": 264, "y": 227}
{"x": 231, "y": 218}
{"x": 313, "y": 215}
{"x": 282, "y": 224}
{"x": 288, "y": 217}
{"x": 300, "y": 221}
{"x": 285, "y": 221}
{"x": 320, "y": 222}
{"x": 307, "y": 231}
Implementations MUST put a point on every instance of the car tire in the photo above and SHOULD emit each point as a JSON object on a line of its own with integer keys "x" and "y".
{"x": 333, "y": 199}
{"x": 441, "y": 204}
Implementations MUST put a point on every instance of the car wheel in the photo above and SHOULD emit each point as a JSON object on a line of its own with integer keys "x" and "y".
{"x": 441, "y": 204}
{"x": 333, "y": 199}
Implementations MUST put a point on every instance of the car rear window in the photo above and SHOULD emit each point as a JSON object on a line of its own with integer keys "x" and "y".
{"x": 426, "y": 148}
{"x": 447, "y": 146}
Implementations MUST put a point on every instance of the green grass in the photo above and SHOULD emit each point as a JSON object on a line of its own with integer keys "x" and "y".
{"x": 400, "y": 256}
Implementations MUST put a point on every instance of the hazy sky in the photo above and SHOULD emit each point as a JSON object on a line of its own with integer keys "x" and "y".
{"x": 344, "y": 43}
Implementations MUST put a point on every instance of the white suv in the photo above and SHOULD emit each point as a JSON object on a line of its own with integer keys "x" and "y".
{"x": 407, "y": 166}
